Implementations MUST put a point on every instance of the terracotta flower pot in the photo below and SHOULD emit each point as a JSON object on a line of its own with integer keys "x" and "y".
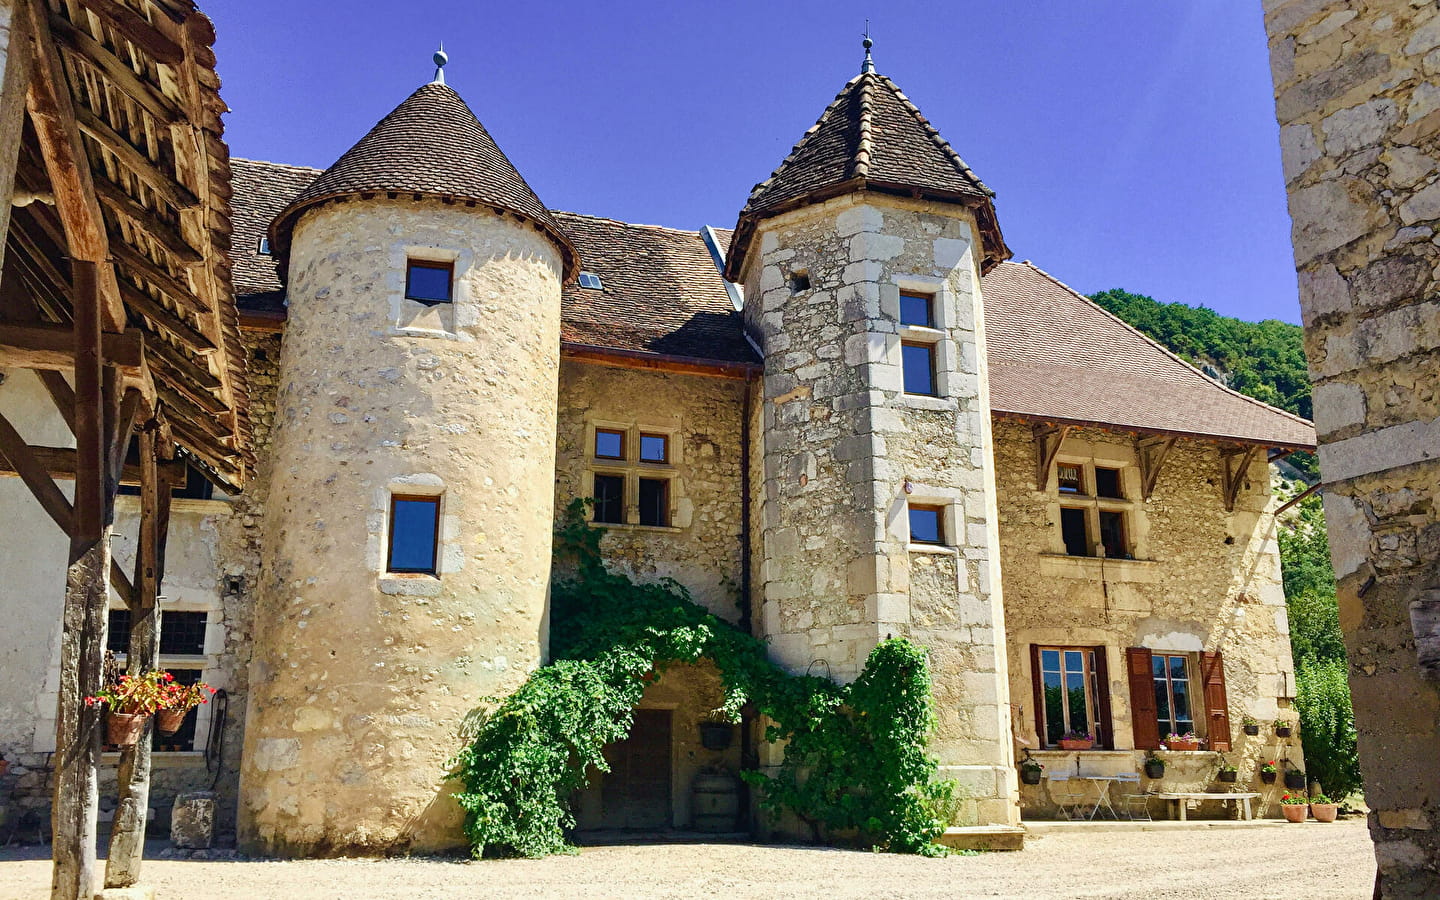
{"x": 1076, "y": 745}
{"x": 1294, "y": 812}
{"x": 1324, "y": 812}
{"x": 168, "y": 721}
{"x": 1182, "y": 744}
{"x": 124, "y": 729}
{"x": 1268, "y": 777}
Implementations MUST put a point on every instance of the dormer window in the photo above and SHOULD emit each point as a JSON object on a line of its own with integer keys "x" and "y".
{"x": 429, "y": 282}
{"x": 591, "y": 282}
{"x": 263, "y": 247}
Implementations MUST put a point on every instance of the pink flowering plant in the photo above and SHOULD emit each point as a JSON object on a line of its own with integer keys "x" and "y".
{"x": 187, "y": 696}
{"x": 141, "y": 694}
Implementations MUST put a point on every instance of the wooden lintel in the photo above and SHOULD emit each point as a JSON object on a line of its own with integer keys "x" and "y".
{"x": 134, "y": 28}
{"x": 52, "y": 347}
{"x": 1152, "y": 451}
{"x": 94, "y": 53}
{"x": 1234, "y": 464}
{"x": 1048, "y": 439}
{"x": 172, "y": 323}
{"x": 625, "y": 359}
{"x": 172, "y": 191}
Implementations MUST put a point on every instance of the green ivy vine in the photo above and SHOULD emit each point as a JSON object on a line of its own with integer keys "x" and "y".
{"x": 855, "y": 767}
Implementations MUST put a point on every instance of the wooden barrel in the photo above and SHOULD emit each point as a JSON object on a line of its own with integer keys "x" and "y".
{"x": 716, "y": 803}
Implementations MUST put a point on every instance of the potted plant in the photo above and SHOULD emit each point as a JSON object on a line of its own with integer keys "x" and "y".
{"x": 1030, "y": 771}
{"x": 130, "y": 701}
{"x": 1295, "y": 807}
{"x": 1187, "y": 741}
{"x": 1323, "y": 808}
{"x": 716, "y": 733}
{"x": 1251, "y": 726}
{"x": 1154, "y": 766}
{"x": 179, "y": 700}
{"x": 1294, "y": 779}
{"x": 1226, "y": 772}
{"x": 1283, "y": 728}
{"x": 1268, "y": 771}
{"x": 1077, "y": 740}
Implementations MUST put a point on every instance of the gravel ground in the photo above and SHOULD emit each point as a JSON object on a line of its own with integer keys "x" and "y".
{"x": 1312, "y": 860}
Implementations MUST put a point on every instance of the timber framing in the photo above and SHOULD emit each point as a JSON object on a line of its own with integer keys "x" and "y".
{"x": 1048, "y": 439}
{"x": 657, "y": 362}
{"x": 1152, "y": 452}
{"x": 1234, "y": 466}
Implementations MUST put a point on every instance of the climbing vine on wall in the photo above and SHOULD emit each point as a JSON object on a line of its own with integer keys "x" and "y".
{"x": 855, "y": 766}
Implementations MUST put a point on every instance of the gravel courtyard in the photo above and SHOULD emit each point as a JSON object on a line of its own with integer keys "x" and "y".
{"x": 1312, "y": 860}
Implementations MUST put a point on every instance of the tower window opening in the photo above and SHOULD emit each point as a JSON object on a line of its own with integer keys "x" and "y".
{"x": 799, "y": 281}
{"x": 927, "y": 524}
{"x": 917, "y": 309}
{"x": 414, "y": 534}
{"x": 263, "y": 247}
{"x": 918, "y": 363}
{"x": 429, "y": 282}
{"x": 590, "y": 281}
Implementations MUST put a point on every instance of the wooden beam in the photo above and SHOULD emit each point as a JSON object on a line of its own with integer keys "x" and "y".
{"x": 603, "y": 356}
{"x": 53, "y": 114}
{"x": 120, "y": 433}
{"x": 80, "y": 44}
{"x": 132, "y": 26}
{"x": 40, "y": 346}
{"x": 170, "y": 322}
{"x": 36, "y": 466}
{"x": 1151, "y": 452}
{"x": 121, "y": 203}
{"x": 165, "y": 185}
{"x": 141, "y": 266}
{"x": 59, "y": 462}
{"x": 1048, "y": 439}
{"x": 191, "y": 375}
{"x": 1234, "y": 465}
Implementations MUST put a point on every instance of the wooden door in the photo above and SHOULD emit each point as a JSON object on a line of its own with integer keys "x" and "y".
{"x": 636, "y": 793}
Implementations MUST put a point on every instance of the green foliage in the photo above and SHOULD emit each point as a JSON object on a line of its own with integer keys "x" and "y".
{"x": 855, "y": 764}
{"x": 1327, "y": 725}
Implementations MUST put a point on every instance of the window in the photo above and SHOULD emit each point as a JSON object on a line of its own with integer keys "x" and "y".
{"x": 1172, "y": 693}
{"x": 654, "y": 502}
{"x": 654, "y": 448}
{"x": 428, "y": 282}
{"x": 1074, "y": 532}
{"x": 927, "y": 525}
{"x": 1070, "y": 479}
{"x": 263, "y": 247}
{"x": 182, "y": 634}
{"x": 414, "y": 534}
{"x": 1071, "y": 693}
{"x": 1112, "y": 535}
{"x": 590, "y": 281}
{"x": 609, "y": 444}
{"x": 917, "y": 309}
{"x": 610, "y": 499}
{"x": 918, "y": 361}
{"x": 799, "y": 282}
{"x": 1107, "y": 483}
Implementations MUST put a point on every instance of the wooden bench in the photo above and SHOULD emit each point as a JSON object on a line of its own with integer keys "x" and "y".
{"x": 1182, "y": 800}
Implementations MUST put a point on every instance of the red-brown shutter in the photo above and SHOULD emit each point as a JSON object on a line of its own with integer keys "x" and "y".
{"x": 1102, "y": 685}
{"x": 1037, "y": 682}
{"x": 1144, "y": 717}
{"x": 1217, "y": 710}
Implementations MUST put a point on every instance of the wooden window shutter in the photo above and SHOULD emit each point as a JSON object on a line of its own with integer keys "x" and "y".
{"x": 1102, "y": 688}
{"x": 1217, "y": 710}
{"x": 1037, "y": 682}
{"x": 1144, "y": 717}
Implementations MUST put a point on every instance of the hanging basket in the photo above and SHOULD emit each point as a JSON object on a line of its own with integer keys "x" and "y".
{"x": 168, "y": 721}
{"x": 124, "y": 729}
{"x": 1268, "y": 777}
{"x": 1252, "y": 730}
{"x": 1295, "y": 782}
{"x": 1229, "y": 777}
{"x": 1154, "y": 768}
{"x": 1284, "y": 731}
{"x": 716, "y": 735}
{"x": 1031, "y": 774}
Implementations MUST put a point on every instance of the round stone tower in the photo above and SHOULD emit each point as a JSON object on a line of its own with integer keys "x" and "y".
{"x": 408, "y": 529}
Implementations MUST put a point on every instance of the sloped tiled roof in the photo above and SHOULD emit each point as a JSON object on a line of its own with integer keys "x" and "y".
{"x": 1055, "y": 355}
{"x": 430, "y": 144}
{"x": 871, "y": 137}
{"x": 262, "y": 190}
{"x": 661, "y": 293}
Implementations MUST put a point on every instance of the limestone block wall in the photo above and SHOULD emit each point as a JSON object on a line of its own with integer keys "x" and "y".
{"x": 1357, "y": 98}
{"x": 701, "y": 549}
{"x": 361, "y": 679}
{"x": 1204, "y": 579}
{"x": 840, "y": 443}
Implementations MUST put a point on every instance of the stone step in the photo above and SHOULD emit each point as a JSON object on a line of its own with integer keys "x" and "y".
{"x": 984, "y": 837}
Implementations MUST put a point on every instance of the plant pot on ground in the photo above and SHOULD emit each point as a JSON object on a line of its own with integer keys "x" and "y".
{"x": 1323, "y": 809}
{"x": 1294, "y": 808}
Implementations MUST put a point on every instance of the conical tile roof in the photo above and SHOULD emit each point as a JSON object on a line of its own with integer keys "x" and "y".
{"x": 431, "y": 145}
{"x": 871, "y": 138}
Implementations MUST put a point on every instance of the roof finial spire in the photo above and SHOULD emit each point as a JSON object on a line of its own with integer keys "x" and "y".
{"x": 869, "y": 64}
{"x": 440, "y": 58}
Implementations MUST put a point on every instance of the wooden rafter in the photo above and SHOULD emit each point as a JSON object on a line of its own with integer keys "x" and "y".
{"x": 1152, "y": 452}
{"x": 1048, "y": 439}
{"x": 1234, "y": 465}
{"x": 135, "y": 29}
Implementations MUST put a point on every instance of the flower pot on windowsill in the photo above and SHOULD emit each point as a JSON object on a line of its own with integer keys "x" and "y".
{"x": 1295, "y": 812}
{"x": 1324, "y": 812}
{"x": 1076, "y": 745}
{"x": 124, "y": 729}
{"x": 168, "y": 721}
{"x": 1268, "y": 777}
{"x": 1295, "y": 781}
{"x": 1182, "y": 744}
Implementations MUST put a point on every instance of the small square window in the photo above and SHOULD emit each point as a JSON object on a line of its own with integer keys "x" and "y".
{"x": 918, "y": 362}
{"x": 917, "y": 309}
{"x": 610, "y": 499}
{"x": 590, "y": 281}
{"x": 428, "y": 282}
{"x": 609, "y": 444}
{"x": 263, "y": 247}
{"x": 927, "y": 525}
{"x": 654, "y": 501}
{"x": 799, "y": 282}
{"x": 1074, "y": 531}
{"x": 1070, "y": 478}
{"x": 1107, "y": 483}
{"x": 414, "y": 534}
{"x": 654, "y": 448}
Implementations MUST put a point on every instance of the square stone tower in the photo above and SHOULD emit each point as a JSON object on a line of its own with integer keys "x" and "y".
{"x": 861, "y": 260}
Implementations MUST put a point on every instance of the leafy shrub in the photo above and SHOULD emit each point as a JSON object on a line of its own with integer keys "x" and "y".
{"x": 1328, "y": 725}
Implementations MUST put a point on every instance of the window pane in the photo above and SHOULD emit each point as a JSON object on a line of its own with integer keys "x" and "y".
{"x": 1177, "y": 667}
{"x": 1107, "y": 482}
{"x": 925, "y": 525}
{"x": 1112, "y": 535}
{"x": 1074, "y": 532}
{"x": 1181, "y": 691}
{"x": 428, "y": 282}
{"x": 182, "y": 633}
{"x": 412, "y": 535}
{"x": 1162, "y": 706}
{"x": 610, "y": 499}
{"x": 654, "y": 448}
{"x": 1050, "y": 660}
{"x": 654, "y": 505}
{"x": 915, "y": 309}
{"x": 1054, "y": 708}
{"x": 117, "y": 639}
{"x": 1075, "y": 691}
{"x": 919, "y": 368}
{"x": 609, "y": 444}
{"x": 1069, "y": 479}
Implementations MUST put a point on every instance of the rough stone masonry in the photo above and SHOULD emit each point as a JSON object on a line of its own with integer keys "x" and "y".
{"x": 1357, "y": 96}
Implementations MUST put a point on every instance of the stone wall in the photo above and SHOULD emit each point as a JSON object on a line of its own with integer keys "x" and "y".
{"x": 1358, "y": 104}
{"x": 845, "y": 450}
{"x": 1204, "y": 579}
{"x": 361, "y": 678}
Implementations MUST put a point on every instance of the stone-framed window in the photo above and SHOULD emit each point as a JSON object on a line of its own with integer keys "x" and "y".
{"x": 1072, "y": 693}
{"x": 184, "y": 635}
{"x": 631, "y": 473}
{"x": 927, "y": 524}
{"x": 1173, "y": 673}
{"x": 924, "y": 314}
{"x": 413, "y": 534}
{"x": 429, "y": 281}
{"x": 1095, "y": 516}
{"x": 416, "y": 497}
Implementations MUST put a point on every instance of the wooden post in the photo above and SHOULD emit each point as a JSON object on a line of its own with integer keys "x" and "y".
{"x": 87, "y": 589}
{"x": 127, "y": 837}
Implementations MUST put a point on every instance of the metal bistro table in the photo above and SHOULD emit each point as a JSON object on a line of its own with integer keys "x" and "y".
{"x": 1082, "y": 805}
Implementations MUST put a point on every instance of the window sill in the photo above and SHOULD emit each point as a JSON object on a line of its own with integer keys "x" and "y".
{"x": 1093, "y": 568}
{"x": 164, "y": 759}
{"x": 928, "y": 401}
{"x": 625, "y": 526}
{"x": 409, "y": 584}
{"x": 1097, "y": 559}
{"x": 933, "y": 549}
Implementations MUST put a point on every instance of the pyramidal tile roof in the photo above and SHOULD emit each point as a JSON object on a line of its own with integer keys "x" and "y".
{"x": 871, "y": 137}
{"x": 432, "y": 145}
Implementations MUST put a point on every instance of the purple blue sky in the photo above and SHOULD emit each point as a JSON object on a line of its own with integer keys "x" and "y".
{"x": 1130, "y": 144}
